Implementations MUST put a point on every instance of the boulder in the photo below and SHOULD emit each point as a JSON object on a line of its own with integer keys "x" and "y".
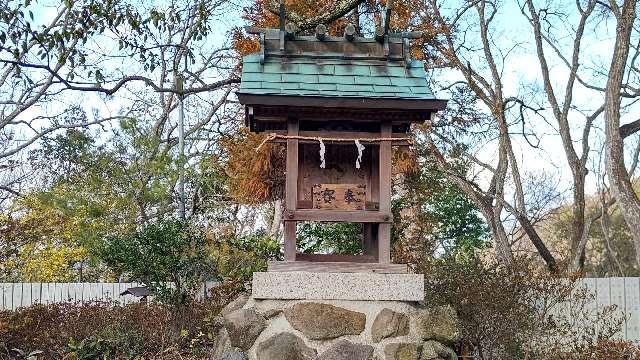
{"x": 439, "y": 323}
{"x": 322, "y": 321}
{"x": 243, "y": 327}
{"x": 284, "y": 346}
{"x": 433, "y": 350}
{"x": 237, "y": 304}
{"x": 402, "y": 351}
{"x": 389, "y": 323}
{"x": 233, "y": 355}
{"x": 344, "y": 349}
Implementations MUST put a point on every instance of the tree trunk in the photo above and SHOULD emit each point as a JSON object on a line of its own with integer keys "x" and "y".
{"x": 578, "y": 219}
{"x": 619, "y": 178}
{"x": 605, "y": 223}
{"x": 561, "y": 113}
{"x": 274, "y": 229}
{"x": 490, "y": 212}
{"x": 537, "y": 242}
{"x": 504, "y": 255}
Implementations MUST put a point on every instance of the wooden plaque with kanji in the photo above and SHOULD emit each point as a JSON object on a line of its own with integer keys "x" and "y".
{"x": 339, "y": 196}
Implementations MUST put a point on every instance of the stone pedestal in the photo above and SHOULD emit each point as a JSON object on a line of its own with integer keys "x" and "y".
{"x": 302, "y": 285}
{"x": 331, "y": 316}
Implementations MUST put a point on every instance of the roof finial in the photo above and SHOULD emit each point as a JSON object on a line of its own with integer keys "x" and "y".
{"x": 387, "y": 15}
{"x": 321, "y": 32}
{"x": 350, "y": 32}
{"x": 290, "y": 31}
{"x": 385, "y": 19}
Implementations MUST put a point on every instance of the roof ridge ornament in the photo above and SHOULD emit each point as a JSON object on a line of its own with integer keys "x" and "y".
{"x": 350, "y": 32}
{"x": 321, "y": 32}
{"x": 386, "y": 18}
{"x": 262, "y": 46}
{"x": 283, "y": 15}
{"x": 290, "y": 30}
{"x": 384, "y": 45}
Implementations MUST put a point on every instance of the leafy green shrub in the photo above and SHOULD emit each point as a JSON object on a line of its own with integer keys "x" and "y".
{"x": 236, "y": 259}
{"x": 170, "y": 257}
{"x": 108, "y": 343}
{"x": 332, "y": 238}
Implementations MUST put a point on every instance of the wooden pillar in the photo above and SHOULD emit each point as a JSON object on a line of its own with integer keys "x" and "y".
{"x": 289, "y": 240}
{"x": 370, "y": 231}
{"x": 370, "y": 243}
{"x": 291, "y": 191}
{"x": 384, "y": 229}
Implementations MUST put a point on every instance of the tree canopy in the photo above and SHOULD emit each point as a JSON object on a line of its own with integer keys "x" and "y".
{"x": 90, "y": 93}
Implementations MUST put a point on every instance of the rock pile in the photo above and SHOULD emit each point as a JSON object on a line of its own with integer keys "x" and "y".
{"x": 335, "y": 330}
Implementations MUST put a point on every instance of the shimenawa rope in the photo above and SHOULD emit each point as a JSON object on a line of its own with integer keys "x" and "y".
{"x": 273, "y": 136}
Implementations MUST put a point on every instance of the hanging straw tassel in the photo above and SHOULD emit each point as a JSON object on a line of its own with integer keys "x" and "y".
{"x": 323, "y": 164}
{"x": 360, "y": 148}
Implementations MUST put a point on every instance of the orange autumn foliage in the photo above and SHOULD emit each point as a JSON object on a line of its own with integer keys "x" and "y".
{"x": 406, "y": 15}
{"x": 259, "y": 16}
{"x": 404, "y": 161}
{"x": 253, "y": 177}
{"x": 417, "y": 15}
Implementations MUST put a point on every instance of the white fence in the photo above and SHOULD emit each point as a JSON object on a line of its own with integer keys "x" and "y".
{"x": 15, "y": 295}
{"x": 623, "y": 292}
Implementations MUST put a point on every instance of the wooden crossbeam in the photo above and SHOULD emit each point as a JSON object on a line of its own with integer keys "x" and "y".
{"x": 336, "y": 267}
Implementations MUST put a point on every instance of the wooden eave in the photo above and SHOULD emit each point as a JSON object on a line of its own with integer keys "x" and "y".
{"x": 255, "y": 113}
{"x": 343, "y": 102}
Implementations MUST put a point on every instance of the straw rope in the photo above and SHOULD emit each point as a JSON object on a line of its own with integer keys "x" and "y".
{"x": 273, "y": 136}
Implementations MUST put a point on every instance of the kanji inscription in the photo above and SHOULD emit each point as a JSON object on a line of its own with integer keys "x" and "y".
{"x": 339, "y": 196}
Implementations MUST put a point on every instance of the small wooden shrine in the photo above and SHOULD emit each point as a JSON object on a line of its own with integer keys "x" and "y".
{"x": 340, "y": 104}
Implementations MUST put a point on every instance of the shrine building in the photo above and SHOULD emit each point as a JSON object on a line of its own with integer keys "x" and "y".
{"x": 339, "y": 104}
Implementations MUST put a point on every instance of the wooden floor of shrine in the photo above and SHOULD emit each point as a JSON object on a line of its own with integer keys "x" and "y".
{"x": 337, "y": 264}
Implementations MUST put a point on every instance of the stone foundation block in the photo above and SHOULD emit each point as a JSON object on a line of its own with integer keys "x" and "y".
{"x": 301, "y": 285}
{"x": 330, "y": 316}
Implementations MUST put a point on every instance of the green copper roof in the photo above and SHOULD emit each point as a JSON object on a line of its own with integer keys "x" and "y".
{"x": 334, "y": 78}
